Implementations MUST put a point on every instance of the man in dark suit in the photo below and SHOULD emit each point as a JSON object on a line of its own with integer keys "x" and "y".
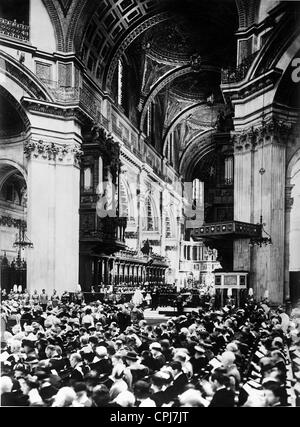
{"x": 223, "y": 397}
{"x": 274, "y": 393}
{"x": 101, "y": 363}
{"x": 180, "y": 380}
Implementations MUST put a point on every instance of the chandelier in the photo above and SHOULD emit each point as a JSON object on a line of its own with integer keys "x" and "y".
{"x": 264, "y": 239}
{"x": 22, "y": 240}
{"x": 21, "y": 243}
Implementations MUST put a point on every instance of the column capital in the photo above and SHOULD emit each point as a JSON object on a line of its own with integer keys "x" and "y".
{"x": 271, "y": 131}
{"x": 60, "y": 153}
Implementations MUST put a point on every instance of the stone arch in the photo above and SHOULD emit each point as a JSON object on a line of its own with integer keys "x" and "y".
{"x": 131, "y": 208}
{"x": 17, "y": 106}
{"x": 294, "y": 161}
{"x": 128, "y": 38}
{"x": 9, "y": 167}
{"x": 79, "y": 18}
{"x": 178, "y": 118}
{"x": 56, "y": 22}
{"x": 20, "y": 81}
{"x": 166, "y": 80}
{"x": 153, "y": 215}
{"x": 278, "y": 51}
{"x": 194, "y": 152}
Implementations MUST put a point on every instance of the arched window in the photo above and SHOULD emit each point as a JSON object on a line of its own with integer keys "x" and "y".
{"x": 150, "y": 220}
{"x": 87, "y": 179}
{"x": 13, "y": 189}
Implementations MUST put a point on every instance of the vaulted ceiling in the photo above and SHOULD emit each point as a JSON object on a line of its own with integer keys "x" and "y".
{"x": 177, "y": 49}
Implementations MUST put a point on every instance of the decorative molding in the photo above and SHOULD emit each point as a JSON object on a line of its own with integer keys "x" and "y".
{"x": 65, "y": 6}
{"x": 245, "y": 88}
{"x": 21, "y": 76}
{"x": 109, "y": 148}
{"x": 8, "y": 221}
{"x": 76, "y": 112}
{"x": 81, "y": 15}
{"x": 56, "y": 22}
{"x": 274, "y": 131}
{"x": 67, "y": 153}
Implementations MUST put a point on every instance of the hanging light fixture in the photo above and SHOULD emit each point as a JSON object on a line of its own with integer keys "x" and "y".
{"x": 21, "y": 243}
{"x": 264, "y": 239}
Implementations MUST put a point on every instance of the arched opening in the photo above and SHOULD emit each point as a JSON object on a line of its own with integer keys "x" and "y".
{"x": 11, "y": 123}
{"x": 150, "y": 215}
{"x": 13, "y": 190}
{"x": 13, "y": 215}
{"x": 294, "y": 234}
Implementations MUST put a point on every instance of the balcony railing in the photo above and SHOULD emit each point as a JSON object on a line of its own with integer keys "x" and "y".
{"x": 13, "y": 29}
{"x": 237, "y": 74}
{"x": 228, "y": 229}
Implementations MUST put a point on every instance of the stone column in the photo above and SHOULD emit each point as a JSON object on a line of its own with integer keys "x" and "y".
{"x": 288, "y": 207}
{"x": 262, "y": 193}
{"x": 53, "y": 213}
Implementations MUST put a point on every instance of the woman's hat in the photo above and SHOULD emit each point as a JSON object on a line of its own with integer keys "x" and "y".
{"x": 131, "y": 355}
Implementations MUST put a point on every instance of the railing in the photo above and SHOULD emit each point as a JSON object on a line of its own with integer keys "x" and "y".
{"x": 13, "y": 29}
{"x": 237, "y": 74}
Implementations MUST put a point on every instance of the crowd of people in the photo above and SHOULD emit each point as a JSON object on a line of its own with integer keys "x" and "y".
{"x": 62, "y": 353}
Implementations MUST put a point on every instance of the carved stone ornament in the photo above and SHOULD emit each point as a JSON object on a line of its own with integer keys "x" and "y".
{"x": 109, "y": 148}
{"x": 8, "y": 221}
{"x": 273, "y": 129}
{"x": 53, "y": 151}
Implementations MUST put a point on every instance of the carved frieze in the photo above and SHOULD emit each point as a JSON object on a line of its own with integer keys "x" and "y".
{"x": 274, "y": 130}
{"x": 8, "y": 221}
{"x": 53, "y": 151}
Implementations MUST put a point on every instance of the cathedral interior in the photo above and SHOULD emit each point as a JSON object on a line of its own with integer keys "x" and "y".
{"x": 151, "y": 141}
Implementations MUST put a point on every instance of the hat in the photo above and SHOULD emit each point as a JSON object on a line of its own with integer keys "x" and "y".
{"x": 41, "y": 375}
{"x": 155, "y": 346}
{"x": 131, "y": 355}
{"x": 101, "y": 351}
{"x": 47, "y": 392}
